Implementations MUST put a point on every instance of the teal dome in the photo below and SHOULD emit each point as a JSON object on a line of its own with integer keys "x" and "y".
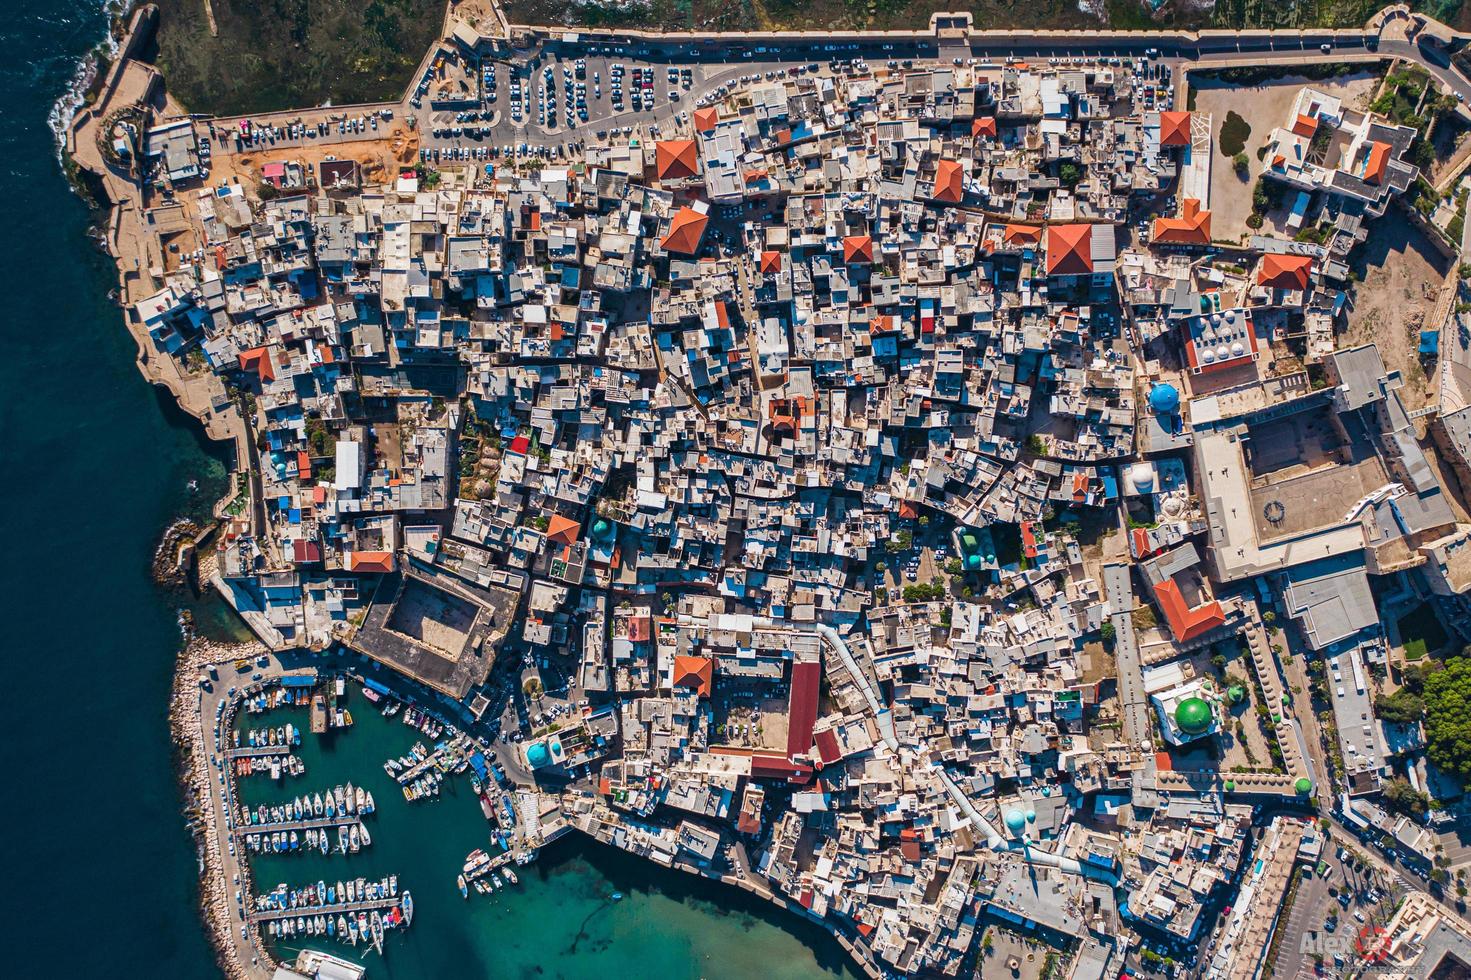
{"x": 1016, "y": 822}
{"x": 1193, "y": 716}
{"x": 1031, "y": 816}
{"x": 972, "y": 560}
{"x": 601, "y": 528}
{"x": 537, "y": 755}
{"x": 1164, "y": 399}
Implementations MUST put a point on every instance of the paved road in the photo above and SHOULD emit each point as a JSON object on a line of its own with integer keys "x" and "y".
{"x": 714, "y": 64}
{"x": 1133, "y": 702}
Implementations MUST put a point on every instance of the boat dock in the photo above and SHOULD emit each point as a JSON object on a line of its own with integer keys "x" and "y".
{"x": 257, "y": 751}
{"x": 370, "y": 905}
{"x": 315, "y": 823}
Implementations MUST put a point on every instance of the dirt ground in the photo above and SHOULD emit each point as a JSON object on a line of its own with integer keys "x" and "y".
{"x": 1264, "y": 107}
{"x": 1401, "y": 272}
{"x": 379, "y": 159}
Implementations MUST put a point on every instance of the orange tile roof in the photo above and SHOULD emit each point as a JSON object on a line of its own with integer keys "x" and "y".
{"x": 258, "y": 359}
{"x": 949, "y": 183}
{"x": 676, "y": 159}
{"x": 1305, "y": 125}
{"x": 685, "y": 231}
{"x": 1069, "y": 250}
{"x": 1187, "y": 623}
{"x": 1174, "y": 129}
{"x": 1021, "y": 234}
{"x": 1279, "y": 271}
{"x": 1193, "y": 227}
{"x": 695, "y": 672}
{"x": 1378, "y": 162}
{"x": 705, "y": 119}
{"x": 770, "y": 262}
{"x": 857, "y": 248}
{"x": 983, "y": 127}
{"x": 562, "y": 529}
{"x": 370, "y": 561}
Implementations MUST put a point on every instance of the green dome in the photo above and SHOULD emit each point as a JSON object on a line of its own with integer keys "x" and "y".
{"x": 1237, "y": 693}
{"x": 1304, "y": 786}
{"x": 1193, "y": 716}
{"x": 1230, "y": 785}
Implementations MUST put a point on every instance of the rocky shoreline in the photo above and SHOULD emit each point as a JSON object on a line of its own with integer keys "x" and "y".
{"x": 191, "y": 758}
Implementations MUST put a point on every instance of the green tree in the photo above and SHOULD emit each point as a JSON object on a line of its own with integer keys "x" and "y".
{"x": 1403, "y": 707}
{"x": 1447, "y": 722}
{"x": 1069, "y": 174}
{"x": 1401, "y": 796}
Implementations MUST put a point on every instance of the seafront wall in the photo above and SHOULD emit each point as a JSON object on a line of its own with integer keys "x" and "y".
{"x": 191, "y": 754}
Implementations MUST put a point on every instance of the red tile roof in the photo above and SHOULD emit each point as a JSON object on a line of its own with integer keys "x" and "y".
{"x": 258, "y": 359}
{"x": 857, "y": 248}
{"x": 676, "y": 159}
{"x": 1021, "y": 234}
{"x": 695, "y": 672}
{"x": 983, "y": 127}
{"x": 828, "y": 750}
{"x": 1378, "y": 162}
{"x": 1279, "y": 271}
{"x": 685, "y": 231}
{"x": 802, "y": 707}
{"x": 770, "y": 262}
{"x": 562, "y": 530}
{"x": 1069, "y": 250}
{"x": 1193, "y": 227}
{"x": 1305, "y": 125}
{"x": 1187, "y": 623}
{"x": 1174, "y": 129}
{"x": 949, "y": 183}
{"x": 370, "y": 561}
{"x": 769, "y": 766}
{"x": 705, "y": 119}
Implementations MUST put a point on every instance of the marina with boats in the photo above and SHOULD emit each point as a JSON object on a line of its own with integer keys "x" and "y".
{"x": 353, "y": 911}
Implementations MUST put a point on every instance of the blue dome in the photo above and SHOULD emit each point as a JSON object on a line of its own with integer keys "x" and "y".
{"x": 537, "y": 755}
{"x": 1164, "y": 399}
{"x": 1016, "y": 821}
{"x": 1031, "y": 816}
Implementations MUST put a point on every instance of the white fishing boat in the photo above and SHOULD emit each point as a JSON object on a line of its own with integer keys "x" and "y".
{"x": 363, "y": 832}
{"x": 408, "y": 907}
{"x": 376, "y": 921}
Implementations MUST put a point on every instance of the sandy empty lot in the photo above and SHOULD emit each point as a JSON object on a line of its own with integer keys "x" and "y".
{"x": 1401, "y": 275}
{"x": 1264, "y": 107}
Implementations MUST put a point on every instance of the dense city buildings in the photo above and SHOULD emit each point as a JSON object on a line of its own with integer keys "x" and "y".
{"x": 884, "y": 479}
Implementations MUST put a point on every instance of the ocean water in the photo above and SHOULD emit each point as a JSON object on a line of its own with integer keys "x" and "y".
{"x": 559, "y": 922}
{"x": 99, "y": 873}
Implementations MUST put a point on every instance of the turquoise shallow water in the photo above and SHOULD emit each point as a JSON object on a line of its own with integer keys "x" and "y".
{"x": 99, "y": 872}
{"x": 559, "y": 922}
